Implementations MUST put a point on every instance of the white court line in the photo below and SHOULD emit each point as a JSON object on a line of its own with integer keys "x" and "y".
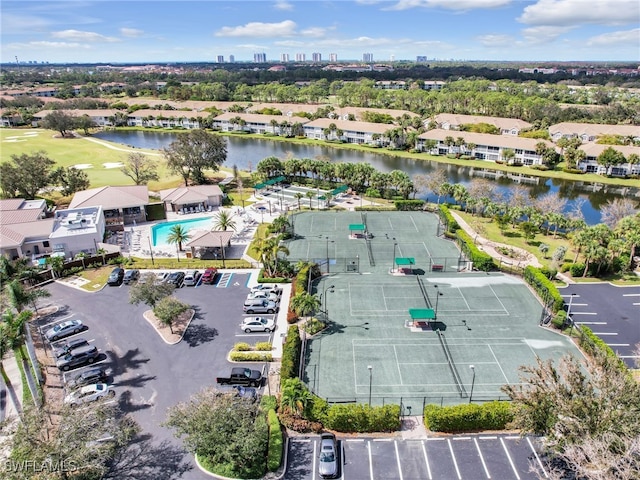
{"x": 395, "y": 353}
{"x": 426, "y": 460}
{"x": 499, "y": 366}
{"x": 537, "y": 458}
{"x": 455, "y": 463}
{"x": 509, "y": 457}
{"x": 500, "y": 301}
{"x": 484, "y": 465}
{"x": 464, "y": 298}
{"x": 414, "y": 224}
{"x": 398, "y": 460}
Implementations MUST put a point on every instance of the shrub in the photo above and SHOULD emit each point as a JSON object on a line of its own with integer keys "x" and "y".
{"x": 591, "y": 344}
{"x": 559, "y": 320}
{"x": 268, "y": 402}
{"x": 544, "y": 287}
{"x": 299, "y": 424}
{"x": 264, "y": 346}
{"x": 468, "y": 417}
{"x": 576, "y": 269}
{"x": 363, "y": 418}
{"x": 550, "y": 273}
{"x": 448, "y": 219}
{"x": 250, "y": 357}
{"x": 313, "y": 326}
{"x": 241, "y": 347}
{"x": 481, "y": 260}
{"x": 405, "y": 205}
{"x": 317, "y": 409}
{"x": 290, "y": 354}
{"x": 274, "y": 455}
{"x": 292, "y": 317}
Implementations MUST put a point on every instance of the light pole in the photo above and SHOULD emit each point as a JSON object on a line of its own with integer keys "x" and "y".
{"x": 222, "y": 250}
{"x": 328, "y": 253}
{"x": 151, "y": 251}
{"x": 438, "y": 294}
{"x": 473, "y": 381}
{"x": 569, "y": 312}
{"x": 330, "y": 288}
{"x": 393, "y": 265}
{"x": 370, "y": 380}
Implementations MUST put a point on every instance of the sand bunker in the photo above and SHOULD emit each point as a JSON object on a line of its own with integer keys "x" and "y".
{"x": 113, "y": 165}
{"x": 82, "y": 166}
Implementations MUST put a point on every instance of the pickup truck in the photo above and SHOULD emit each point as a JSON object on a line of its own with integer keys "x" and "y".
{"x": 242, "y": 376}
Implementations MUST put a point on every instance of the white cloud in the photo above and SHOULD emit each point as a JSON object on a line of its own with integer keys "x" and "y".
{"x": 46, "y": 44}
{"x": 131, "y": 32}
{"x": 495, "y": 40}
{"x": 314, "y": 32}
{"x": 21, "y": 24}
{"x": 283, "y": 5}
{"x": 285, "y": 28}
{"x": 80, "y": 36}
{"x": 543, "y": 34}
{"x": 579, "y": 12}
{"x": 463, "y": 5}
{"x": 620, "y": 37}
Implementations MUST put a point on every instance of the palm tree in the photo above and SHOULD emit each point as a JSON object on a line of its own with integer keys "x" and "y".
{"x": 298, "y": 196}
{"x": 224, "y": 221}
{"x": 310, "y": 195}
{"x": 177, "y": 235}
{"x": 279, "y": 225}
{"x": 18, "y": 297}
{"x": 304, "y": 304}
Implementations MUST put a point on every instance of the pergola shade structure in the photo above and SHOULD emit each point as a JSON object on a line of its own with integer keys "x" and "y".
{"x": 211, "y": 244}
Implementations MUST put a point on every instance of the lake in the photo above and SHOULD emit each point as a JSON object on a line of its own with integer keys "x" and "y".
{"x": 245, "y": 153}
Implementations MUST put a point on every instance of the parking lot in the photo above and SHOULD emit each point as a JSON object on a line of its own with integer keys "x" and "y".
{"x": 611, "y": 312}
{"x": 459, "y": 457}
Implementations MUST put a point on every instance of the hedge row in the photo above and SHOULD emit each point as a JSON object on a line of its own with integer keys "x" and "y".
{"x": 481, "y": 260}
{"x": 544, "y": 287}
{"x": 291, "y": 354}
{"x": 274, "y": 454}
{"x": 250, "y": 357}
{"x": 468, "y": 417}
{"x": 356, "y": 417}
{"x": 590, "y": 343}
{"x": 263, "y": 279}
{"x": 447, "y": 219}
{"x": 407, "y": 205}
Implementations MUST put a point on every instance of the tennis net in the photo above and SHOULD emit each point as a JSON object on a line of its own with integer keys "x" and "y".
{"x": 423, "y": 290}
{"x": 452, "y": 366}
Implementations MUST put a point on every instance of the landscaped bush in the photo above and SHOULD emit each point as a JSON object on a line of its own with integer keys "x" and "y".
{"x": 268, "y": 402}
{"x": 468, "y": 417}
{"x": 406, "y": 205}
{"x": 250, "y": 357}
{"x": 313, "y": 326}
{"x": 550, "y": 273}
{"x": 590, "y": 343}
{"x": 544, "y": 287}
{"x": 274, "y": 455}
{"x": 481, "y": 260}
{"x": 317, "y": 409}
{"x": 559, "y": 320}
{"x": 360, "y": 418}
{"x": 577, "y": 269}
{"x": 299, "y": 424}
{"x": 242, "y": 347}
{"x": 264, "y": 346}
{"x": 290, "y": 354}
{"x": 447, "y": 219}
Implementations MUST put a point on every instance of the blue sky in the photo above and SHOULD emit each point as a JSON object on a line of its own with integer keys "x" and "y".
{"x": 182, "y": 31}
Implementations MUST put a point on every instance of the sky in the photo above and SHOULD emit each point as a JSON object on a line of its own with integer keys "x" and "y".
{"x": 130, "y": 31}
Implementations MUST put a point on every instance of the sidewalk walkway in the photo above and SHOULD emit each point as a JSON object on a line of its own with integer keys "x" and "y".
{"x": 10, "y": 395}
{"x": 525, "y": 258}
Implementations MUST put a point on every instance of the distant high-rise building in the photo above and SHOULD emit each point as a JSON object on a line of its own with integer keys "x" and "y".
{"x": 367, "y": 57}
{"x": 317, "y": 57}
{"x": 284, "y": 57}
{"x": 392, "y": 58}
{"x": 232, "y": 58}
{"x": 421, "y": 59}
{"x": 333, "y": 57}
{"x": 260, "y": 57}
{"x": 300, "y": 57}
{"x": 220, "y": 58}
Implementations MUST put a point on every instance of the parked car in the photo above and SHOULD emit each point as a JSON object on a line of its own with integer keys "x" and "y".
{"x": 259, "y": 305}
{"x": 87, "y": 377}
{"x": 131, "y": 276}
{"x": 177, "y": 278}
{"x": 89, "y": 393}
{"x": 191, "y": 278}
{"x": 77, "y": 357}
{"x": 162, "y": 276}
{"x": 65, "y": 347}
{"x": 116, "y": 276}
{"x": 258, "y": 324}
{"x": 268, "y": 287}
{"x": 246, "y": 392}
{"x": 328, "y": 461}
{"x": 64, "y": 329}
{"x": 242, "y": 376}
{"x": 209, "y": 275}
{"x": 272, "y": 297}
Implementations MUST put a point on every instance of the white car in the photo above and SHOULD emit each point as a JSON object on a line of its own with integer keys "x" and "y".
{"x": 262, "y": 295}
{"x": 258, "y": 324}
{"x": 268, "y": 287}
{"x": 89, "y": 393}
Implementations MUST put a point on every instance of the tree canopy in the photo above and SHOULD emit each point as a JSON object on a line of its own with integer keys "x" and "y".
{"x": 26, "y": 174}
{"x": 140, "y": 168}
{"x": 193, "y": 152}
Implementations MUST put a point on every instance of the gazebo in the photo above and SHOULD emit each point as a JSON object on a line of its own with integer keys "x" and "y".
{"x": 211, "y": 245}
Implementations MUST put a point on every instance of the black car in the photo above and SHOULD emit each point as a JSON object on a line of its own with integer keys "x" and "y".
{"x": 116, "y": 276}
{"x": 131, "y": 276}
{"x": 176, "y": 278}
{"x": 65, "y": 347}
{"x": 88, "y": 377}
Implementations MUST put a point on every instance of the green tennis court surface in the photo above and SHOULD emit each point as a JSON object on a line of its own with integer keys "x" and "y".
{"x": 488, "y": 321}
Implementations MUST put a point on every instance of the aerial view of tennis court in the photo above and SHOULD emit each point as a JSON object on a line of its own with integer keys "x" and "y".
{"x": 410, "y": 322}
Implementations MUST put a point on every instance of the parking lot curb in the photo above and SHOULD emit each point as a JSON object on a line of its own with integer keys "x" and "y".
{"x": 193, "y": 314}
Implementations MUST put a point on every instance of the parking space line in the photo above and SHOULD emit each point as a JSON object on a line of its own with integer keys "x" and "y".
{"x": 398, "y": 460}
{"x": 461, "y": 438}
{"x": 490, "y": 437}
{"x": 359, "y": 440}
{"x": 426, "y": 460}
{"x": 605, "y": 333}
{"x": 383, "y": 439}
{"x": 453, "y": 456}
{"x": 370, "y": 460}
{"x": 591, "y": 323}
{"x": 584, "y": 313}
{"x": 315, "y": 452}
{"x": 484, "y": 465}
{"x": 513, "y": 467}
{"x": 55, "y": 321}
{"x": 574, "y": 295}
{"x": 631, "y": 294}
{"x": 619, "y": 344}
{"x": 546, "y": 475}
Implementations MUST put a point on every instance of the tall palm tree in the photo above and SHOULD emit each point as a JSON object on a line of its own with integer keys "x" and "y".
{"x": 18, "y": 297}
{"x": 310, "y": 195}
{"x": 298, "y": 196}
{"x": 177, "y": 235}
{"x": 224, "y": 220}
{"x": 304, "y": 304}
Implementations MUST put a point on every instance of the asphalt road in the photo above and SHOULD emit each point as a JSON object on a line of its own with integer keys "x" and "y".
{"x": 611, "y": 312}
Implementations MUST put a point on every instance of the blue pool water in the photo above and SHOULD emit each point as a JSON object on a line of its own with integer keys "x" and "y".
{"x": 160, "y": 231}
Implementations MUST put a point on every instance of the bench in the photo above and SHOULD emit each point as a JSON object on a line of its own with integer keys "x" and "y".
{"x": 437, "y": 268}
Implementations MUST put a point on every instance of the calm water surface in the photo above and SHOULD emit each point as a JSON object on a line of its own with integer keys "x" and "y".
{"x": 245, "y": 153}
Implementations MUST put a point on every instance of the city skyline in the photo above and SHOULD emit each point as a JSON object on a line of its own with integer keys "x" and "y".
{"x": 203, "y": 31}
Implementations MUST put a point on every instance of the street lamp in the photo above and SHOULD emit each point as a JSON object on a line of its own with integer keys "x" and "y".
{"x": 438, "y": 295}
{"x": 393, "y": 265}
{"x": 330, "y": 288}
{"x": 328, "y": 253}
{"x": 473, "y": 381}
{"x": 222, "y": 249}
{"x": 370, "y": 379}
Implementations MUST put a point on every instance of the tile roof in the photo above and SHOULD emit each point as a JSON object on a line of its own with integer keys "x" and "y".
{"x": 593, "y": 149}
{"x": 504, "y": 141}
{"x": 212, "y": 239}
{"x": 260, "y": 119}
{"x": 499, "y": 122}
{"x": 112, "y": 197}
{"x": 194, "y": 193}
{"x": 12, "y": 236}
{"x": 594, "y": 129}
{"x": 348, "y": 126}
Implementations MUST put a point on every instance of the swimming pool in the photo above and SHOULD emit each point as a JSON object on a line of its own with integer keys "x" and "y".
{"x": 161, "y": 231}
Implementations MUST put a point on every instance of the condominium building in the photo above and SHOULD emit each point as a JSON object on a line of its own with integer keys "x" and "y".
{"x": 367, "y": 57}
{"x": 317, "y": 57}
{"x": 284, "y": 57}
{"x": 220, "y": 58}
{"x": 333, "y": 57}
{"x": 232, "y": 58}
{"x": 300, "y": 57}
{"x": 260, "y": 57}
